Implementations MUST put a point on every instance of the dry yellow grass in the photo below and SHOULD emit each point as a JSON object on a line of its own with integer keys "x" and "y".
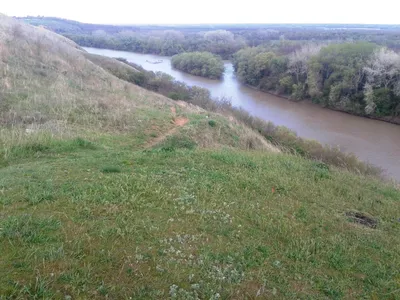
{"x": 49, "y": 87}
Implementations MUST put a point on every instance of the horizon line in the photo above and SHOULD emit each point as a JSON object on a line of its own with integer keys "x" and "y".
{"x": 208, "y": 24}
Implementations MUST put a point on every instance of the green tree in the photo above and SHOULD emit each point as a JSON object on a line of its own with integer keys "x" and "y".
{"x": 202, "y": 64}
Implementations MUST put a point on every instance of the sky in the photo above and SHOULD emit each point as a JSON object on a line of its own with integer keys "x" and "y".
{"x": 209, "y": 11}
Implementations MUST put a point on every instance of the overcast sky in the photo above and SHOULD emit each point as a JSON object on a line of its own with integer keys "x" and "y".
{"x": 210, "y": 11}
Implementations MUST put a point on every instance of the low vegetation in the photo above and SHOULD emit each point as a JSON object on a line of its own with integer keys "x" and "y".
{"x": 202, "y": 64}
{"x": 104, "y": 195}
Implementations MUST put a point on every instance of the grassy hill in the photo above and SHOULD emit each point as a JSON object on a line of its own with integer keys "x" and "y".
{"x": 108, "y": 190}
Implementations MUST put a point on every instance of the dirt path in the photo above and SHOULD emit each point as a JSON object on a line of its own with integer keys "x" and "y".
{"x": 178, "y": 122}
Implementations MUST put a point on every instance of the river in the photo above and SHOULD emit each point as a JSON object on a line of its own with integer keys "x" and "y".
{"x": 373, "y": 141}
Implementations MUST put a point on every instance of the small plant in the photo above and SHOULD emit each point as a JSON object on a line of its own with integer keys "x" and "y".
{"x": 212, "y": 123}
{"x": 321, "y": 170}
{"x": 111, "y": 169}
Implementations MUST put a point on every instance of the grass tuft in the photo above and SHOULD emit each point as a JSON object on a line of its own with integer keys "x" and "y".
{"x": 28, "y": 229}
{"x": 84, "y": 144}
{"x": 111, "y": 169}
{"x": 175, "y": 142}
{"x": 29, "y": 149}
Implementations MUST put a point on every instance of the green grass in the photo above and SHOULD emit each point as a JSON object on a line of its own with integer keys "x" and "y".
{"x": 105, "y": 221}
{"x": 175, "y": 142}
{"x": 111, "y": 169}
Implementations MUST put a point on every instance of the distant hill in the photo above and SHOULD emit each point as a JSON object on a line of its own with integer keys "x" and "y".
{"x": 69, "y": 26}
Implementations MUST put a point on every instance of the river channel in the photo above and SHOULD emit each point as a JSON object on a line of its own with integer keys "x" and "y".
{"x": 374, "y": 141}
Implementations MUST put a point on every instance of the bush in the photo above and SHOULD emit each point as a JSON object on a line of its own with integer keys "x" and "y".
{"x": 212, "y": 123}
{"x": 202, "y": 64}
{"x": 138, "y": 78}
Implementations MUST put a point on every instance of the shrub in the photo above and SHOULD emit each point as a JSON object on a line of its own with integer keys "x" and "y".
{"x": 137, "y": 78}
{"x": 202, "y": 64}
{"x": 212, "y": 123}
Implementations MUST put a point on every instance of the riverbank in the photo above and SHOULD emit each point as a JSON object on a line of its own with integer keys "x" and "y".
{"x": 391, "y": 120}
{"x": 283, "y": 138}
{"x": 371, "y": 140}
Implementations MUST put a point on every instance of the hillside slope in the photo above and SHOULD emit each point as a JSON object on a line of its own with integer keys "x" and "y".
{"x": 111, "y": 191}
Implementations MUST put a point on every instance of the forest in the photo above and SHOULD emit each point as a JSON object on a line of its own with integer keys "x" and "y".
{"x": 360, "y": 78}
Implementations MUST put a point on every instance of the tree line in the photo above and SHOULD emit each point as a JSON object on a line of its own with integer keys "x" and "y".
{"x": 222, "y": 40}
{"x": 360, "y": 78}
{"x": 167, "y": 42}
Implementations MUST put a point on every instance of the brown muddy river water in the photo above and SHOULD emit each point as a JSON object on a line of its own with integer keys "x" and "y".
{"x": 374, "y": 141}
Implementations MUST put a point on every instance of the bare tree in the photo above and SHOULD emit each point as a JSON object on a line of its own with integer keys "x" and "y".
{"x": 369, "y": 99}
{"x": 220, "y": 36}
{"x": 298, "y": 61}
{"x": 396, "y": 88}
{"x": 383, "y": 69}
{"x": 174, "y": 35}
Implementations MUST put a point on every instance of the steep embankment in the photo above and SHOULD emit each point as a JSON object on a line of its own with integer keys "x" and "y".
{"x": 108, "y": 190}
{"x": 49, "y": 87}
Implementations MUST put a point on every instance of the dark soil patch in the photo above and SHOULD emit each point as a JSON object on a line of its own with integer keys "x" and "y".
{"x": 361, "y": 218}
